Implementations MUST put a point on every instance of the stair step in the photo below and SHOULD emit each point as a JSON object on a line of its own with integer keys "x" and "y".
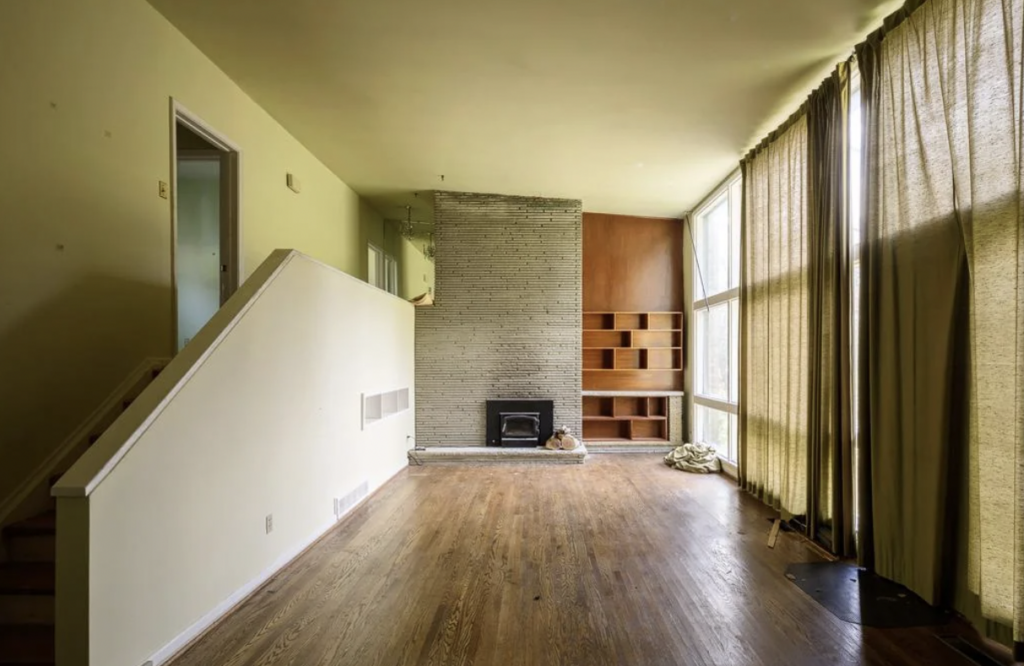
{"x": 25, "y": 609}
{"x": 44, "y": 523}
{"x": 32, "y": 547}
{"x": 26, "y": 644}
{"x": 27, "y": 578}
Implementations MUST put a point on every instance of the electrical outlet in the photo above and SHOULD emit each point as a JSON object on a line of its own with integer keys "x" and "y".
{"x": 270, "y": 523}
{"x": 164, "y": 190}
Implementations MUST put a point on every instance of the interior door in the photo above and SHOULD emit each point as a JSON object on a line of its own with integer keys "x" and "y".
{"x": 200, "y": 264}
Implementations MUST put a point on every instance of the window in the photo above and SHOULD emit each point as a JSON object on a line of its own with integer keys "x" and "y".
{"x": 382, "y": 270}
{"x": 856, "y": 224}
{"x": 716, "y": 309}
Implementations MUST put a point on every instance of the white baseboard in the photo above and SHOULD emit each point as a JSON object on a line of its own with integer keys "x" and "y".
{"x": 241, "y": 594}
{"x": 183, "y": 640}
{"x": 42, "y": 473}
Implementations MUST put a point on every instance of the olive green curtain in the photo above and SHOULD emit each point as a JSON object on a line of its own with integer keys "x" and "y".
{"x": 795, "y": 421}
{"x": 943, "y": 307}
{"x": 830, "y": 515}
{"x": 774, "y": 329}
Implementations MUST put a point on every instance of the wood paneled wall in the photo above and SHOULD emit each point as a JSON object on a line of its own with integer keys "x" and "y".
{"x": 632, "y": 264}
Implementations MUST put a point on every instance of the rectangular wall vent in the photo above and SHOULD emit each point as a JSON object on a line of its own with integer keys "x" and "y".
{"x": 379, "y": 406}
{"x": 343, "y": 505}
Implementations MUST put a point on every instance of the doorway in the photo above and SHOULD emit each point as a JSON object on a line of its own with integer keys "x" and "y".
{"x": 205, "y": 223}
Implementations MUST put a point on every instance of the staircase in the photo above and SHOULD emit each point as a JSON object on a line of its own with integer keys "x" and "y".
{"x": 27, "y": 577}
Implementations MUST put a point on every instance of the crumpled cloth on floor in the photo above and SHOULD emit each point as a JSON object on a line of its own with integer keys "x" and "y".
{"x": 697, "y": 458}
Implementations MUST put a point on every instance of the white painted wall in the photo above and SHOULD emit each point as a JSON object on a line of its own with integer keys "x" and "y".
{"x": 269, "y": 424}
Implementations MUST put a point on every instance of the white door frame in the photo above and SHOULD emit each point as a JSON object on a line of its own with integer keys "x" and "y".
{"x": 231, "y": 202}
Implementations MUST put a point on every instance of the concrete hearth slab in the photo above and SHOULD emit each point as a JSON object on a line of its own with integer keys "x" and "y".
{"x": 450, "y": 455}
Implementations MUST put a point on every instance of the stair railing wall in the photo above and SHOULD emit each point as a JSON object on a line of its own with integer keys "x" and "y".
{"x": 234, "y": 460}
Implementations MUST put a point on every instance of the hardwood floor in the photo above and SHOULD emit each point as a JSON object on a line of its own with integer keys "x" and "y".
{"x": 620, "y": 561}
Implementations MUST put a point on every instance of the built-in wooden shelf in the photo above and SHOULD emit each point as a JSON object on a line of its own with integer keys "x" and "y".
{"x": 633, "y": 350}
{"x": 625, "y": 418}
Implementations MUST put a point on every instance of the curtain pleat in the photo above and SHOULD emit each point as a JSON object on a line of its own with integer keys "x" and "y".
{"x": 830, "y": 495}
{"x": 795, "y": 378}
{"x": 774, "y": 336}
{"x": 942, "y": 93}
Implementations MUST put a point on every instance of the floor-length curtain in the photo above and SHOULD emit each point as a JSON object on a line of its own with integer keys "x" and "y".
{"x": 774, "y": 322}
{"x": 942, "y": 94}
{"x": 981, "y": 77}
{"x": 830, "y": 474}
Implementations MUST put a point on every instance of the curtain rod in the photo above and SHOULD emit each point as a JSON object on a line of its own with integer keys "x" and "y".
{"x": 889, "y": 23}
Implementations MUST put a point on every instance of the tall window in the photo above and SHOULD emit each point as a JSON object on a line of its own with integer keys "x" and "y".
{"x": 716, "y": 281}
{"x": 382, "y": 270}
{"x": 856, "y": 234}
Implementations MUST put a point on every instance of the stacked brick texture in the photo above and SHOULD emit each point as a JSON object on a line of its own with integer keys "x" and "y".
{"x": 506, "y": 319}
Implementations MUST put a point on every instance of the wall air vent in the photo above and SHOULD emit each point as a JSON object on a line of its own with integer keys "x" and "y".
{"x": 343, "y": 505}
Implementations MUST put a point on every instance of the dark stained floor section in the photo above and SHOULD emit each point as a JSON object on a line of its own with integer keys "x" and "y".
{"x": 620, "y": 561}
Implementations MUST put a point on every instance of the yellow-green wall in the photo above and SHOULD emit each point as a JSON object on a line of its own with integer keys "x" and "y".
{"x": 417, "y": 271}
{"x": 85, "y": 241}
{"x": 373, "y": 229}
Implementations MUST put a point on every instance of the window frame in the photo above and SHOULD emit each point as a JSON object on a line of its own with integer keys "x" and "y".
{"x": 382, "y": 269}
{"x": 730, "y": 191}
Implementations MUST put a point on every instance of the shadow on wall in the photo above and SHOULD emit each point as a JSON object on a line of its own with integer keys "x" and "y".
{"x": 65, "y": 357}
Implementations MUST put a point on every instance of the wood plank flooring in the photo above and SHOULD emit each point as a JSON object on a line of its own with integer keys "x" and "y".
{"x": 617, "y": 562}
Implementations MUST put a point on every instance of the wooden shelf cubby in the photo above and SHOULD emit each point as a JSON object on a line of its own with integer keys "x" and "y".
{"x": 633, "y": 351}
{"x": 625, "y": 419}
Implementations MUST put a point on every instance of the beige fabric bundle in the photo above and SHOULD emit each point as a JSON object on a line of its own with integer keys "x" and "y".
{"x": 698, "y": 458}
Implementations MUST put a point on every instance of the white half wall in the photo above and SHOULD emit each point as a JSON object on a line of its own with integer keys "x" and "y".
{"x": 269, "y": 424}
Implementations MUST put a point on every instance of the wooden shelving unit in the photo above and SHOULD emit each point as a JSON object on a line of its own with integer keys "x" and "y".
{"x": 625, "y": 419}
{"x": 633, "y": 351}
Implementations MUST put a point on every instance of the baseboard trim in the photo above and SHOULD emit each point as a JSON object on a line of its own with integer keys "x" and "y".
{"x": 185, "y": 639}
{"x": 42, "y": 473}
{"x": 222, "y": 609}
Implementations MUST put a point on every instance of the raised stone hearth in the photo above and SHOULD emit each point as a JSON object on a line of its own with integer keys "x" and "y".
{"x": 450, "y": 455}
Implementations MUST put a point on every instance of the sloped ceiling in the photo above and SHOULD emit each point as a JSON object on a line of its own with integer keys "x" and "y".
{"x": 635, "y": 106}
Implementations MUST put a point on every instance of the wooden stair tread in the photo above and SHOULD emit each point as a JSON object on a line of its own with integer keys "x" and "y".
{"x": 26, "y": 644}
{"x": 44, "y": 523}
{"x": 28, "y": 578}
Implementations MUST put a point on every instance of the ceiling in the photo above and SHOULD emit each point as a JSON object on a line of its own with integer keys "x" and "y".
{"x": 634, "y": 106}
